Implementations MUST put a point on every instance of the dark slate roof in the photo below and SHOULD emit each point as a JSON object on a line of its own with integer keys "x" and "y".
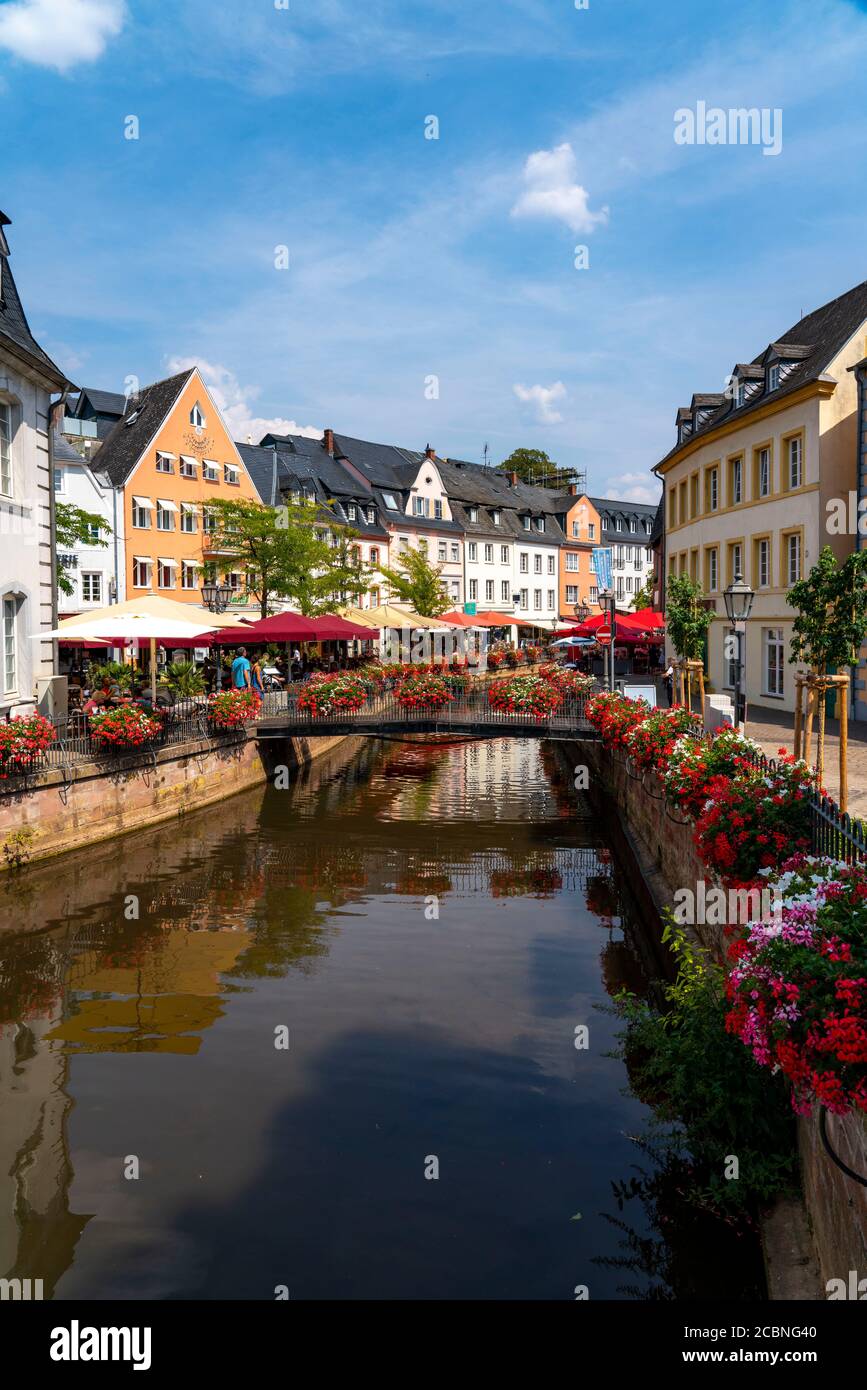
{"x": 377, "y": 462}
{"x": 332, "y": 486}
{"x": 129, "y": 438}
{"x": 14, "y": 328}
{"x": 811, "y": 345}
{"x": 101, "y": 402}
{"x": 627, "y": 511}
{"x": 63, "y": 450}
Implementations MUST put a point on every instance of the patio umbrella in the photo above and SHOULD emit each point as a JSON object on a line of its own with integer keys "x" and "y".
{"x": 280, "y": 627}
{"x": 335, "y": 629}
{"x": 389, "y": 615}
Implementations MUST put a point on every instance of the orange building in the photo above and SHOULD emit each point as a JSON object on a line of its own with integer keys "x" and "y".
{"x": 583, "y": 531}
{"x": 166, "y": 458}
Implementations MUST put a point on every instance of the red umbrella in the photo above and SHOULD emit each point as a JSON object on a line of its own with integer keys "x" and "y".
{"x": 281, "y": 627}
{"x": 458, "y": 619}
{"x": 334, "y": 629}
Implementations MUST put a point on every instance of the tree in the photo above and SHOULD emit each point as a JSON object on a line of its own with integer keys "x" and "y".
{"x": 534, "y": 466}
{"x": 419, "y": 584}
{"x": 643, "y": 598}
{"x": 74, "y": 526}
{"x": 284, "y": 553}
{"x": 832, "y": 612}
{"x": 686, "y": 620}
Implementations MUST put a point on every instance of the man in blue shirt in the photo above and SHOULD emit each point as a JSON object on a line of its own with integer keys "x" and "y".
{"x": 241, "y": 670}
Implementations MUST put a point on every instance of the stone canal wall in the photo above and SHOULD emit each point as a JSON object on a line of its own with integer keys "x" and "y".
{"x": 58, "y": 812}
{"x": 663, "y": 848}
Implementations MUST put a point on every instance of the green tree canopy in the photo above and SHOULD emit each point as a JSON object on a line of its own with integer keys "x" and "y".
{"x": 831, "y": 604}
{"x": 419, "y": 584}
{"x": 643, "y": 598}
{"x": 73, "y": 525}
{"x": 686, "y": 620}
{"x": 534, "y": 466}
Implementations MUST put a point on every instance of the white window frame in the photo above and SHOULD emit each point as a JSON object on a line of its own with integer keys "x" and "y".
{"x": 7, "y": 479}
{"x": 764, "y": 471}
{"x": 87, "y": 578}
{"x": 773, "y": 672}
{"x": 10, "y": 644}
{"x": 793, "y": 543}
{"x": 796, "y": 462}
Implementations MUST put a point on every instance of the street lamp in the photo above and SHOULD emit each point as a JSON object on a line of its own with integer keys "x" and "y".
{"x": 216, "y": 596}
{"x": 608, "y": 604}
{"x": 581, "y": 611}
{"x": 738, "y": 599}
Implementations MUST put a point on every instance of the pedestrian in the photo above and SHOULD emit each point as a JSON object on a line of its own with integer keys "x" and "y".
{"x": 241, "y": 670}
{"x": 668, "y": 679}
{"x": 256, "y": 677}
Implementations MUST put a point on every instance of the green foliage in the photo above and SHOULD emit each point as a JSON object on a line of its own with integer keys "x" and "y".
{"x": 686, "y": 620}
{"x": 535, "y": 467}
{"x": 284, "y": 553}
{"x": 184, "y": 679}
{"x": 832, "y": 612}
{"x": 702, "y": 1081}
{"x": 419, "y": 584}
{"x": 74, "y": 526}
{"x": 102, "y": 675}
{"x": 643, "y": 598}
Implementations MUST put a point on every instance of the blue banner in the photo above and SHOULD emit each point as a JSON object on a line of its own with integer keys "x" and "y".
{"x": 602, "y": 565}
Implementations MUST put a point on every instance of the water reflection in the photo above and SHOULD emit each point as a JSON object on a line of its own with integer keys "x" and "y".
{"x": 141, "y": 1018}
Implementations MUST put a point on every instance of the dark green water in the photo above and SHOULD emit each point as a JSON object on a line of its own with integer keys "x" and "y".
{"x": 427, "y": 925}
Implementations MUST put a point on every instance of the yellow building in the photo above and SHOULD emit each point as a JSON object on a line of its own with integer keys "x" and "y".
{"x": 757, "y": 471}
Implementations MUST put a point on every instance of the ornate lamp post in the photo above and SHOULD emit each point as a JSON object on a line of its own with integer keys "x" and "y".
{"x": 581, "y": 611}
{"x": 217, "y": 597}
{"x": 608, "y": 604}
{"x": 739, "y": 604}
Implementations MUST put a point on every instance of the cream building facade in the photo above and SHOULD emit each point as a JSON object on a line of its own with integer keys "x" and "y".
{"x": 755, "y": 474}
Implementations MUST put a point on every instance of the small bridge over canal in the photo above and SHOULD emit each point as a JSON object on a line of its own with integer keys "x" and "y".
{"x": 382, "y": 716}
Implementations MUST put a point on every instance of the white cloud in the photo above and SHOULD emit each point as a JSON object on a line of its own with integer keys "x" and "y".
{"x": 542, "y": 399}
{"x": 632, "y": 487}
{"x": 551, "y": 191}
{"x": 234, "y": 403}
{"x": 60, "y": 33}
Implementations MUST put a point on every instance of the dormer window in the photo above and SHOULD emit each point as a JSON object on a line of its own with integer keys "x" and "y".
{"x": 527, "y": 523}
{"x": 740, "y": 394}
{"x": 495, "y": 517}
{"x": 540, "y": 523}
{"x": 351, "y": 511}
{"x": 473, "y": 513}
{"x": 371, "y": 515}
{"x": 197, "y": 418}
{"x": 774, "y": 377}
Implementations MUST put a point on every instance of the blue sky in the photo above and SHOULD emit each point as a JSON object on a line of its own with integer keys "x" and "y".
{"x": 410, "y": 258}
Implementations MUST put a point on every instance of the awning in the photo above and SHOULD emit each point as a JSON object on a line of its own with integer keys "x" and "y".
{"x": 165, "y": 505}
{"x": 164, "y": 454}
{"x": 189, "y": 506}
{"x": 194, "y": 564}
{"x": 143, "y": 559}
{"x": 143, "y": 502}
{"x": 188, "y": 458}
{"x": 168, "y": 563}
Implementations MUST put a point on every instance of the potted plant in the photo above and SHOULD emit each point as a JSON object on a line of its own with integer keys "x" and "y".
{"x": 124, "y": 729}
{"x": 23, "y": 739}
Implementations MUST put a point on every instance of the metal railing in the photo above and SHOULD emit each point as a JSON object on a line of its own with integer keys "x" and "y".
{"x": 833, "y": 833}
{"x": 468, "y": 710}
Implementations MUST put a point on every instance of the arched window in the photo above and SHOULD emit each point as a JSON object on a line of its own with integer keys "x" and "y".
{"x": 197, "y": 418}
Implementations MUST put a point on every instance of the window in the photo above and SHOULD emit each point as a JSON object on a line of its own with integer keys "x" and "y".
{"x": 552, "y": 599}
{"x": 576, "y": 530}
{"x": 371, "y": 515}
{"x": 165, "y": 515}
{"x": 713, "y": 489}
{"x": 591, "y": 530}
{"x": 165, "y": 462}
{"x": 91, "y": 586}
{"x": 793, "y": 558}
{"x": 537, "y": 564}
{"x": 473, "y": 513}
{"x": 374, "y": 555}
{"x": 736, "y": 560}
{"x": 231, "y": 474}
{"x": 10, "y": 647}
{"x": 524, "y": 598}
{"x": 166, "y": 573}
{"x": 351, "y": 511}
{"x": 763, "y": 463}
{"x": 774, "y": 377}
{"x": 210, "y": 471}
{"x": 763, "y": 563}
{"x": 712, "y": 570}
{"x": 540, "y": 524}
{"x": 552, "y": 564}
{"x": 141, "y": 512}
{"x": 795, "y": 456}
{"x": 571, "y": 561}
{"x": 403, "y": 543}
{"x": 441, "y": 550}
{"x": 5, "y": 450}
{"x": 571, "y": 593}
{"x": 419, "y": 506}
{"x": 474, "y": 590}
{"x": 438, "y": 511}
{"x": 504, "y": 591}
{"x": 672, "y": 508}
{"x": 495, "y": 517}
{"x": 740, "y": 394}
{"x": 489, "y": 554}
{"x": 526, "y": 522}
{"x": 629, "y": 583}
{"x": 774, "y": 661}
{"x": 693, "y": 495}
{"x": 472, "y": 551}
{"x": 618, "y": 525}
{"x": 455, "y": 552}
{"x": 489, "y": 590}
{"x": 188, "y": 466}
{"x": 93, "y": 532}
{"x": 504, "y": 554}
{"x": 620, "y": 591}
{"x": 632, "y": 526}
{"x": 209, "y": 521}
{"x": 141, "y": 572}
{"x": 537, "y": 598}
{"x": 594, "y": 594}
{"x": 388, "y": 499}
{"x": 524, "y": 563}
{"x": 188, "y": 517}
{"x": 188, "y": 574}
{"x": 197, "y": 419}
{"x": 59, "y": 480}
{"x": 422, "y": 545}
{"x": 730, "y": 663}
{"x": 618, "y": 557}
{"x": 736, "y": 489}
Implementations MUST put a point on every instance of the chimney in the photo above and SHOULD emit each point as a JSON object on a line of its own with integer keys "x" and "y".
{"x": 573, "y": 489}
{"x": 430, "y": 453}
{"x": 513, "y": 480}
{"x": 328, "y": 441}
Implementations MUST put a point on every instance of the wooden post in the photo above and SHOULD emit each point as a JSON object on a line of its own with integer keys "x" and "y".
{"x": 844, "y": 743}
{"x": 811, "y": 705}
{"x": 821, "y": 689}
{"x": 799, "y": 699}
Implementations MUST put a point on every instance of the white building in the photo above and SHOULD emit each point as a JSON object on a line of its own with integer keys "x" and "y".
{"x": 28, "y": 378}
{"x": 95, "y": 571}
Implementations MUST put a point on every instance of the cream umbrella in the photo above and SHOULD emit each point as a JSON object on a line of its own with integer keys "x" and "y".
{"x": 148, "y": 618}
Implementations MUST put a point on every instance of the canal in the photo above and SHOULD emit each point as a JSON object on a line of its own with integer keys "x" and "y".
{"x": 323, "y": 1040}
